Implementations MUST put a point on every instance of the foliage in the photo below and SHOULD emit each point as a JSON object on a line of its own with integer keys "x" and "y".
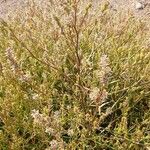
{"x": 74, "y": 76}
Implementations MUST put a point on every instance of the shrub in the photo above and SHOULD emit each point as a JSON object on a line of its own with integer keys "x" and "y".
{"x": 74, "y": 76}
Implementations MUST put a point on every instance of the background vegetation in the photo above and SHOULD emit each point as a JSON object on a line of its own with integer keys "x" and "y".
{"x": 74, "y": 76}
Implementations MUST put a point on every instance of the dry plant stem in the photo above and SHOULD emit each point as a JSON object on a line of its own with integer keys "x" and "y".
{"x": 77, "y": 35}
{"x": 62, "y": 32}
{"x": 84, "y": 17}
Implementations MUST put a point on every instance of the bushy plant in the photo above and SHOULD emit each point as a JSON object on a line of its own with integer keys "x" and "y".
{"x": 73, "y": 76}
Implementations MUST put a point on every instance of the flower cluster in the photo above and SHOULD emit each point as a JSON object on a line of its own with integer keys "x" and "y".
{"x": 99, "y": 95}
{"x": 55, "y": 145}
{"x": 24, "y": 77}
{"x": 40, "y": 118}
{"x": 51, "y": 126}
{"x": 105, "y": 69}
{"x": 94, "y": 93}
{"x": 102, "y": 74}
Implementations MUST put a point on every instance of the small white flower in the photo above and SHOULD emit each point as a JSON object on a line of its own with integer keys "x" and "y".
{"x": 35, "y": 113}
{"x": 104, "y": 95}
{"x": 104, "y": 64}
{"x": 68, "y": 107}
{"x": 24, "y": 78}
{"x": 105, "y": 69}
{"x": 44, "y": 75}
{"x": 70, "y": 132}
{"x": 49, "y": 130}
{"x": 38, "y": 118}
{"x": 94, "y": 93}
{"x": 56, "y": 114}
{"x": 35, "y": 96}
{"x": 98, "y": 96}
{"x": 104, "y": 61}
{"x": 54, "y": 144}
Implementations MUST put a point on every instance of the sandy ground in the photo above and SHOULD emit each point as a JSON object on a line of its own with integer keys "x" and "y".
{"x": 11, "y": 6}
{"x": 126, "y": 5}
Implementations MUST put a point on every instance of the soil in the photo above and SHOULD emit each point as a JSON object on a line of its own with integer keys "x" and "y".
{"x": 12, "y": 6}
{"x": 9, "y": 7}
